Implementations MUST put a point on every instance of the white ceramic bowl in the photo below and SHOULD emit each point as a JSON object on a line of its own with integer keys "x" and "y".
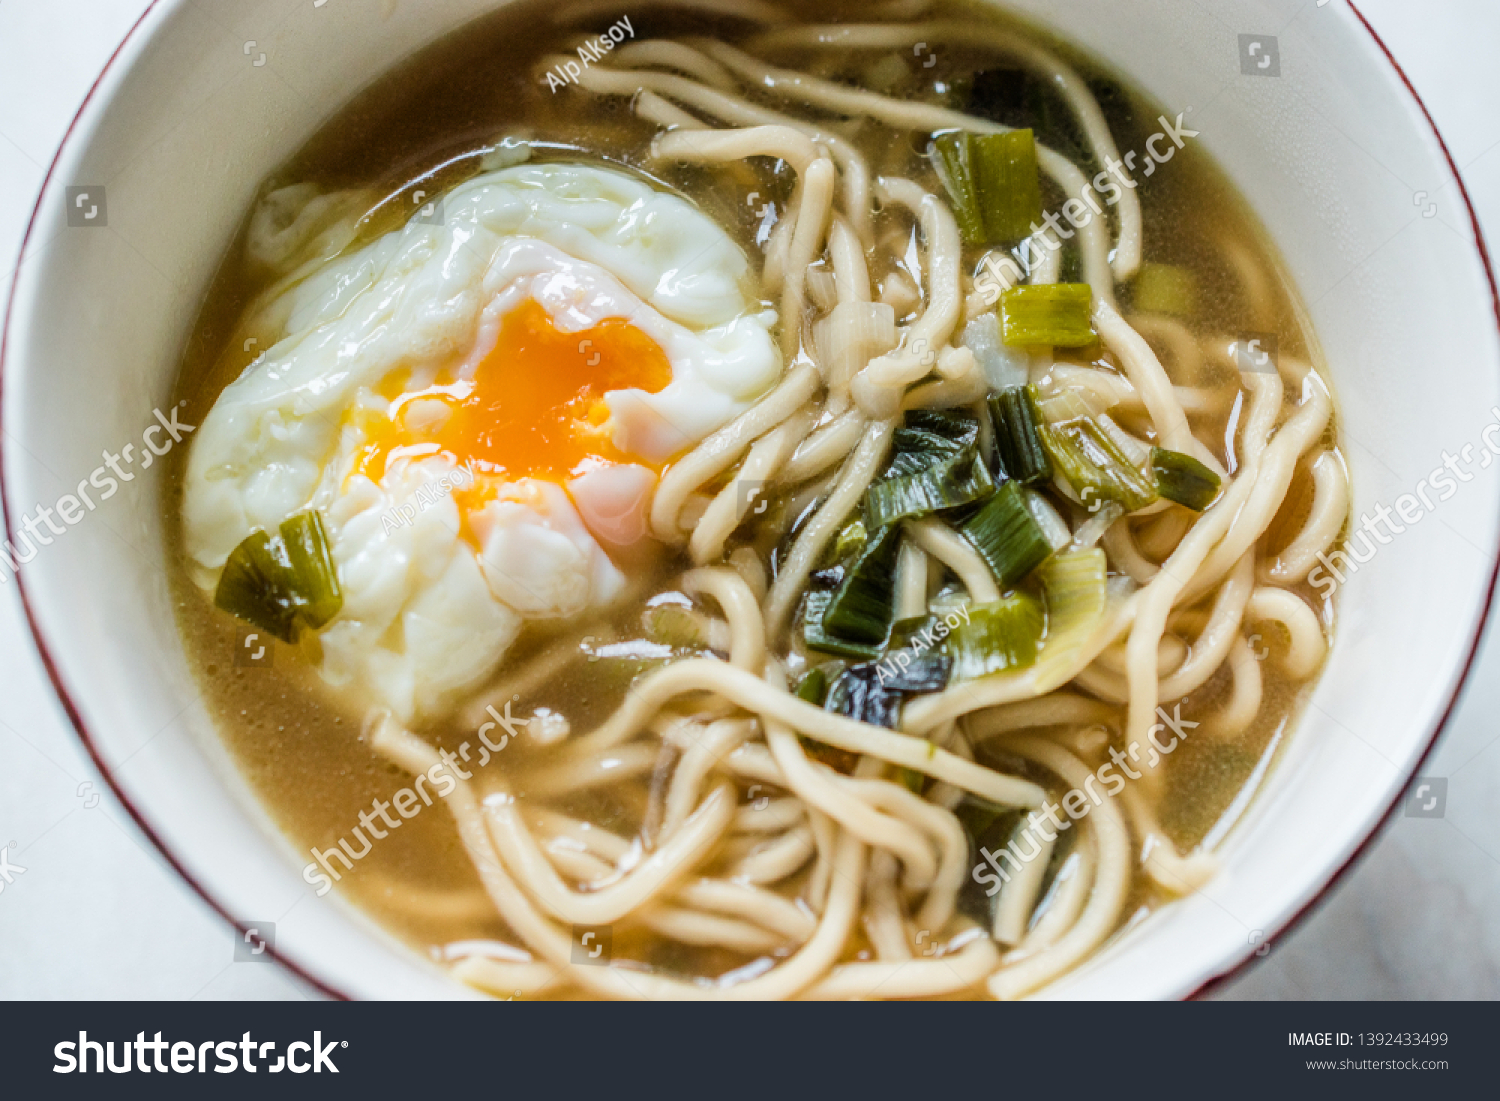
{"x": 1336, "y": 155}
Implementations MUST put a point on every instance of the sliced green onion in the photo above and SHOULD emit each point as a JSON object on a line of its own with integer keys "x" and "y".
{"x": 1008, "y": 188}
{"x": 1017, "y": 442}
{"x": 675, "y": 626}
{"x": 1073, "y": 586}
{"x": 1007, "y": 536}
{"x": 316, "y": 580}
{"x": 862, "y": 606}
{"x": 817, "y": 638}
{"x": 282, "y": 582}
{"x": 1050, "y": 313}
{"x": 1054, "y": 527}
{"x": 992, "y": 183}
{"x": 960, "y": 480}
{"x": 961, "y": 428}
{"x": 998, "y": 637}
{"x": 1094, "y": 466}
{"x": 912, "y": 780}
{"x": 1165, "y": 288}
{"x": 950, "y": 155}
{"x": 919, "y": 673}
{"x": 813, "y": 687}
{"x": 1184, "y": 479}
{"x": 857, "y": 694}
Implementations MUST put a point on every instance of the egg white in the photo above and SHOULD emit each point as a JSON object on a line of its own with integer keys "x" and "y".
{"x": 426, "y": 617}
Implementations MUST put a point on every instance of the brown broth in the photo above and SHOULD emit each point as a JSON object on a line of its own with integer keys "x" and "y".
{"x": 303, "y": 749}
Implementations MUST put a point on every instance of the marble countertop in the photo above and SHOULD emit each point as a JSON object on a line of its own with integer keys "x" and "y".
{"x": 98, "y": 913}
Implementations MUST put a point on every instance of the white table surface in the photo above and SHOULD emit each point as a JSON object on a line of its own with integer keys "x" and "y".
{"x": 99, "y": 914}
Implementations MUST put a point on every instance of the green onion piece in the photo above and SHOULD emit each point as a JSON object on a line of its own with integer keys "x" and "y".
{"x": 255, "y": 587}
{"x": 847, "y": 545}
{"x": 1007, "y": 536}
{"x": 960, "y": 428}
{"x": 1183, "y": 479}
{"x": 284, "y": 581}
{"x": 950, "y": 156}
{"x": 998, "y": 637}
{"x": 978, "y": 815}
{"x": 1051, "y": 313}
{"x": 927, "y": 672}
{"x": 813, "y": 687}
{"x": 1073, "y": 586}
{"x": 674, "y": 626}
{"x": 961, "y": 480}
{"x": 316, "y": 584}
{"x": 861, "y": 609}
{"x": 1165, "y": 288}
{"x": 912, "y": 780}
{"x": 858, "y": 694}
{"x": 1017, "y": 443}
{"x": 817, "y": 638}
{"x": 1095, "y": 467}
{"x": 1007, "y": 187}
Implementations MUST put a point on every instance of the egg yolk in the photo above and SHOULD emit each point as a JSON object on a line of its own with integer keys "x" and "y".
{"x": 535, "y": 406}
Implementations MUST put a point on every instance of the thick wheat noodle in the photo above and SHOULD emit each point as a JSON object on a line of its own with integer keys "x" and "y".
{"x": 1170, "y": 654}
{"x": 813, "y": 213}
{"x": 653, "y": 108}
{"x": 907, "y": 115}
{"x": 877, "y": 387}
{"x": 945, "y": 393}
{"x": 747, "y": 650}
{"x": 1239, "y": 711}
{"x": 1155, "y": 601}
{"x": 735, "y": 109}
{"x": 1279, "y": 462}
{"x": 745, "y": 495}
{"x": 776, "y": 816}
{"x": 884, "y": 924}
{"x": 523, "y": 858}
{"x": 927, "y": 712}
{"x": 1064, "y": 902}
{"x": 1145, "y": 373}
{"x": 911, "y": 582}
{"x": 754, "y": 762}
{"x": 606, "y": 849}
{"x": 941, "y": 826}
{"x": 696, "y": 763}
{"x": 816, "y": 786}
{"x": 666, "y": 54}
{"x": 1056, "y": 72}
{"x": 955, "y": 552}
{"x": 563, "y": 776}
{"x": 772, "y": 861}
{"x": 850, "y": 271}
{"x": 1058, "y": 709}
{"x": 826, "y": 446}
{"x": 858, "y": 472}
{"x": 1020, "y": 971}
{"x": 825, "y": 836}
{"x": 506, "y": 979}
{"x": 719, "y": 451}
{"x": 918, "y": 978}
{"x": 1159, "y": 857}
{"x": 709, "y": 930}
{"x": 1308, "y": 645}
{"x": 1209, "y": 649}
{"x": 1330, "y": 508}
{"x": 1018, "y": 898}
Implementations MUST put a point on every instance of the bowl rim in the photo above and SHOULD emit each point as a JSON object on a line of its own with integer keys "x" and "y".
{"x": 134, "y": 42}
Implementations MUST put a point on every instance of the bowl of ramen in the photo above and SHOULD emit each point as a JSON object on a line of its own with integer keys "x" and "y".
{"x": 707, "y": 500}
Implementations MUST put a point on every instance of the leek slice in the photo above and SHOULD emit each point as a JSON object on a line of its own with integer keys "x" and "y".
{"x": 1007, "y": 536}
{"x": 862, "y": 606}
{"x": 858, "y": 694}
{"x": 960, "y": 480}
{"x": 816, "y": 637}
{"x": 1074, "y": 588}
{"x": 999, "y": 637}
{"x": 1052, "y": 313}
{"x": 1183, "y": 479}
{"x": 992, "y": 183}
{"x": 1094, "y": 466}
{"x": 282, "y": 582}
{"x": 813, "y": 687}
{"x": 1018, "y": 444}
